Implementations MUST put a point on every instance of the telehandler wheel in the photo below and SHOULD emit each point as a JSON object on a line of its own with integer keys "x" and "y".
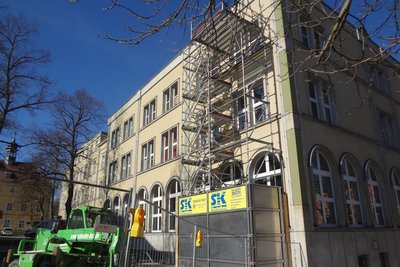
{"x": 14, "y": 263}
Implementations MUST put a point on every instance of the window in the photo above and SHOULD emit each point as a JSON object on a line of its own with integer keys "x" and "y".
{"x": 267, "y": 170}
{"x": 148, "y": 155}
{"x": 352, "y": 194}
{"x": 112, "y": 172}
{"x": 149, "y": 112}
{"x": 321, "y": 102}
{"x": 107, "y": 204}
{"x": 126, "y": 166}
{"x": 324, "y": 207}
{"x": 116, "y": 207}
{"x": 7, "y": 223}
{"x": 252, "y": 109}
{"x": 380, "y": 80}
{"x": 396, "y": 185}
{"x": 38, "y": 208}
{"x": 305, "y": 35}
{"x": 387, "y": 128}
{"x": 169, "y": 148}
{"x": 156, "y": 200}
{"x": 76, "y": 220}
{"x": 170, "y": 97}
{"x": 363, "y": 261}
{"x": 173, "y": 193}
{"x": 103, "y": 161}
{"x": 115, "y": 138}
{"x": 230, "y": 172}
{"x": 383, "y": 259}
{"x": 9, "y": 206}
{"x": 21, "y": 224}
{"x": 128, "y": 128}
{"x": 23, "y": 207}
{"x": 12, "y": 189}
{"x": 142, "y": 195}
{"x": 375, "y": 197}
{"x": 125, "y": 207}
{"x": 318, "y": 39}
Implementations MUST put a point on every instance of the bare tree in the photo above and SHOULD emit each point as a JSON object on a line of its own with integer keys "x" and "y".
{"x": 75, "y": 117}
{"x": 22, "y": 87}
{"x": 372, "y": 21}
{"x": 49, "y": 168}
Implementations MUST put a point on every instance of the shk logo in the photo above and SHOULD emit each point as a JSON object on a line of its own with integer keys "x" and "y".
{"x": 218, "y": 200}
{"x": 186, "y": 205}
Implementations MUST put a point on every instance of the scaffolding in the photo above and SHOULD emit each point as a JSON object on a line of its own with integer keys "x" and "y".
{"x": 224, "y": 70}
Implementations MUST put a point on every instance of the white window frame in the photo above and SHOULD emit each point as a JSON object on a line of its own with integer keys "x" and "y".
{"x": 143, "y": 204}
{"x": 21, "y": 224}
{"x": 246, "y": 107}
{"x": 323, "y": 200}
{"x": 375, "y": 201}
{"x": 396, "y": 186}
{"x": 149, "y": 112}
{"x": 170, "y": 97}
{"x": 173, "y": 198}
{"x": 128, "y": 128}
{"x": 147, "y": 155}
{"x": 126, "y": 166}
{"x": 350, "y": 200}
{"x": 113, "y": 172}
{"x": 156, "y": 213}
{"x": 323, "y": 101}
{"x": 169, "y": 143}
{"x": 269, "y": 174}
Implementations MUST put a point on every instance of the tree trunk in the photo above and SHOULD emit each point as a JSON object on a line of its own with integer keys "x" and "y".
{"x": 68, "y": 203}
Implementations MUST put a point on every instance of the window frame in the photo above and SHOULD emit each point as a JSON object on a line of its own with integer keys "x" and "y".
{"x": 128, "y": 128}
{"x": 150, "y": 112}
{"x": 113, "y": 172}
{"x": 246, "y": 107}
{"x": 317, "y": 171}
{"x": 156, "y": 213}
{"x": 269, "y": 177}
{"x": 321, "y": 101}
{"x": 126, "y": 166}
{"x": 169, "y": 144}
{"x": 173, "y": 198}
{"x": 372, "y": 197}
{"x": 9, "y": 206}
{"x": 147, "y": 156}
{"x": 395, "y": 178}
{"x": 170, "y": 97}
{"x": 348, "y": 178}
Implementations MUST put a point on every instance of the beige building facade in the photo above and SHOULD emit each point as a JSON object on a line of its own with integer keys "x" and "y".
{"x": 247, "y": 107}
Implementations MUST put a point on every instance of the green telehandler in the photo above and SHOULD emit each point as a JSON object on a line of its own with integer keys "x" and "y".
{"x": 88, "y": 240}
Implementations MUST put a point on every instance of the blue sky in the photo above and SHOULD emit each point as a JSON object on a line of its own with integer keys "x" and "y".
{"x": 81, "y": 58}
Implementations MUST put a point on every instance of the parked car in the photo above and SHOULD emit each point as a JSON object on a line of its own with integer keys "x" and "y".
{"x": 47, "y": 224}
{"x": 6, "y": 231}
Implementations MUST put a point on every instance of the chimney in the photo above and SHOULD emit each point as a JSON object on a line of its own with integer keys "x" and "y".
{"x": 11, "y": 152}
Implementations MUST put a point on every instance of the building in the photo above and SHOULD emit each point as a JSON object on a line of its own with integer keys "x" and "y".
{"x": 25, "y": 197}
{"x": 252, "y": 106}
{"x": 91, "y": 169}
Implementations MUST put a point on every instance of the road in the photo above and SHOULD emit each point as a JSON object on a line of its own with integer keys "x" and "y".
{"x": 6, "y": 243}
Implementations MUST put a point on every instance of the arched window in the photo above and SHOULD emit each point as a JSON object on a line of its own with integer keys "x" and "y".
{"x": 230, "y": 172}
{"x": 107, "y": 204}
{"x": 125, "y": 205}
{"x": 374, "y": 195}
{"x": 324, "y": 207}
{"x": 396, "y": 185}
{"x": 267, "y": 170}
{"x": 174, "y": 191}
{"x": 116, "y": 205}
{"x": 142, "y": 194}
{"x": 156, "y": 200}
{"x": 352, "y": 194}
